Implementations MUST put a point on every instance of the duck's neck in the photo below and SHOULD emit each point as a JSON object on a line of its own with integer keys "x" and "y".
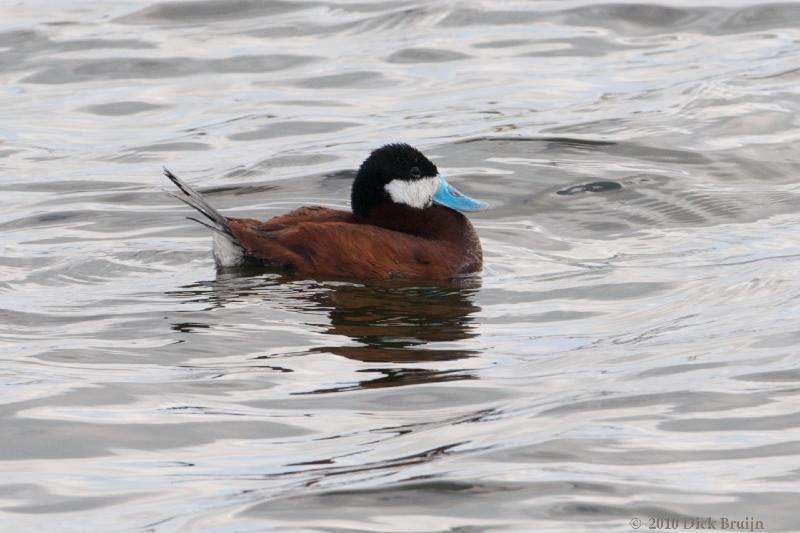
{"x": 435, "y": 222}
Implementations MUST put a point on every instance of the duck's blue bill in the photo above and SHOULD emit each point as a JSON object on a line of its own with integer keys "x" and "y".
{"x": 449, "y": 196}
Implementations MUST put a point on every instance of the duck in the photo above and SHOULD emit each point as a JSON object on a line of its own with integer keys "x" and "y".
{"x": 406, "y": 222}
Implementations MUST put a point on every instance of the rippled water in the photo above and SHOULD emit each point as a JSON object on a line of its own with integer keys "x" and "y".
{"x": 628, "y": 352}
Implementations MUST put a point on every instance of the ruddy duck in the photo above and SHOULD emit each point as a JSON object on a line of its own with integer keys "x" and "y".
{"x": 405, "y": 224}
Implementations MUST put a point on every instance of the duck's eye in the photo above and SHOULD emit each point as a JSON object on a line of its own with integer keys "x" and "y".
{"x": 414, "y": 172}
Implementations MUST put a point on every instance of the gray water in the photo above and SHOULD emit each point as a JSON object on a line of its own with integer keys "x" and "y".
{"x": 630, "y": 350}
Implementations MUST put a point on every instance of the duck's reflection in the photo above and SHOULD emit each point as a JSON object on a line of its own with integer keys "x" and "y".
{"x": 400, "y": 324}
{"x": 397, "y": 325}
{"x": 387, "y": 323}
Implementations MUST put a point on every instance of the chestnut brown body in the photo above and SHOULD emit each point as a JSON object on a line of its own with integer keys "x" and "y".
{"x": 394, "y": 241}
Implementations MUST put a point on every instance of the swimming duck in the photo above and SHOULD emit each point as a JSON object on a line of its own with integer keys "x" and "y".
{"x": 406, "y": 223}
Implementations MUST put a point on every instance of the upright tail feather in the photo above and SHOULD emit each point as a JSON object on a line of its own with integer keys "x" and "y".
{"x": 227, "y": 250}
{"x": 194, "y": 199}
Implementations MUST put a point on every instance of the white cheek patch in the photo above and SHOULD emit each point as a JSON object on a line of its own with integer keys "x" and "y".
{"x": 415, "y": 193}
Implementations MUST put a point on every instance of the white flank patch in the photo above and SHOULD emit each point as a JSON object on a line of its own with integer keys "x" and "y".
{"x": 226, "y": 252}
{"x": 415, "y": 193}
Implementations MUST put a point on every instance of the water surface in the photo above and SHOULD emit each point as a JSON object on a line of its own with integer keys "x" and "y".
{"x": 629, "y": 350}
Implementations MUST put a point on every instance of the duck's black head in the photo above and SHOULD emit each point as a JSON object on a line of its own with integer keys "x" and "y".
{"x": 399, "y": 175}
{"x": 395, "y": 173}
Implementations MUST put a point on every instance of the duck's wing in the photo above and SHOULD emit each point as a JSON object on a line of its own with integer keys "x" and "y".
{"x": 347, "y": 249}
